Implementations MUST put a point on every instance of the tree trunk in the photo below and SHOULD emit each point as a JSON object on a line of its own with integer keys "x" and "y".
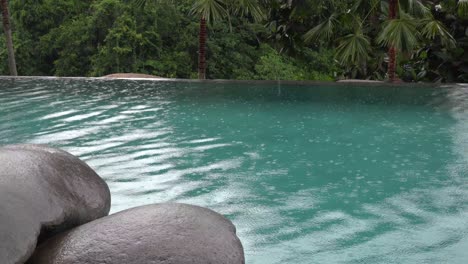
{"x": 9, "y": 39}
{"x": 202, "y": 50}
{"x": 392, "y": 53}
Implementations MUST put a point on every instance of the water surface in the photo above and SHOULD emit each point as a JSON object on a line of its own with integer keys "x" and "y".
{"x": 308, "y": 174}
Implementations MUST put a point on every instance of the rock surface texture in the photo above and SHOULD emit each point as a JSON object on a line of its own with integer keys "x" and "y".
{"x": 44, "y": 191}
{"x": 152, "y": 234}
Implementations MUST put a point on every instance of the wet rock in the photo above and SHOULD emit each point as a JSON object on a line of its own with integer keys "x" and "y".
{"x": 44, "y": 191}
{"x": 156, "y": 234}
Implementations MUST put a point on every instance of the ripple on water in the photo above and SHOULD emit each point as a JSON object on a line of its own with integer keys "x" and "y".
{"x": 311, "y": 175}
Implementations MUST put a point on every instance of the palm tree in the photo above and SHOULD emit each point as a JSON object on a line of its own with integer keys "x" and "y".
{"x": 210, "y": 11}
{"x": 405, "y": 30}
{"x": 344, "y": 27}
{"x": 9, "y": 39}
{"x": 402, "y": 32}
{"x": 392, "y": 13}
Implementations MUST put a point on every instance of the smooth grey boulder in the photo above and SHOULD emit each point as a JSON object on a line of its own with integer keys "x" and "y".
{"x": 153, "y": 234}
{"x": 44, "y": 191}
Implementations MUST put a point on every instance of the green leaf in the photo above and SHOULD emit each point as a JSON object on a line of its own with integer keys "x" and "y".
{"x": 434, "y": 28}
{"x": 249, "y": 7}
{"x": 323, "y": 31}
{"x": 415, "y": 7}
{"x": 423, "y": 55}
{"x": 353, "y": 49}
{"x": 463, "y": 8}
{"x": 211, "y": 10}
{"x": 400, "y": 33}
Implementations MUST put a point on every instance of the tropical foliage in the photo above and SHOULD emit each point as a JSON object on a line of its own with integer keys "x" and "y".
{"x": 9, "y": 39}
{"x": 245, "y": 39}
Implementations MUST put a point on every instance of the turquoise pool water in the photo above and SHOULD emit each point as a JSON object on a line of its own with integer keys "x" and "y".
{"x": 308, "y": 174}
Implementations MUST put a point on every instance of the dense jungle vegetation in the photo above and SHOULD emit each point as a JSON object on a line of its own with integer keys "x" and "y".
{"x": 246, "y": 39}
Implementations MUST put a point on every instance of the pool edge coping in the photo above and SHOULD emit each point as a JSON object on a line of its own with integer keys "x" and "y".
{"x": 265, "y": 82}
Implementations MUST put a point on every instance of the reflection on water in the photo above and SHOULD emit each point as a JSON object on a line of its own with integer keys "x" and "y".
{"x": 308, "y": 175}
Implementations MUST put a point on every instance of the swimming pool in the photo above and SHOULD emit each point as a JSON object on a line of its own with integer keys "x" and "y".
{"x": 308, "y": 173}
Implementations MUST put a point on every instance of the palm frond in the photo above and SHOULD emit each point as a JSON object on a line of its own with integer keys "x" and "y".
{"x": 433, "y": 28}
{"x": 354, "y": 49}
{"x": 400, "y": 33}
{"x": 323, "y": 31}
{"x": 366, "y": 6}
{"x": 142, "y": 3}
{"x": 415, "y": 7}
{"x": 463, "y": 8}
{"x": 374, "y": 7}
{"x": 211, "y": 10}
{"x": 249, "y": 7}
